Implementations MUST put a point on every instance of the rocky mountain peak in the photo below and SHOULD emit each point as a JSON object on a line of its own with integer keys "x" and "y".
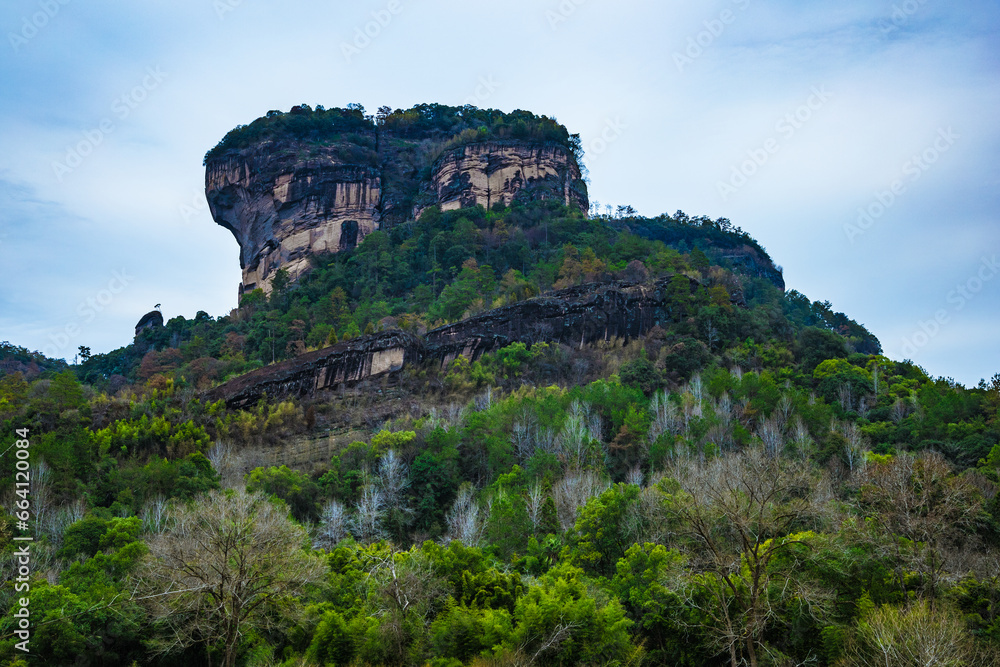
{"x": 313, "y": 181}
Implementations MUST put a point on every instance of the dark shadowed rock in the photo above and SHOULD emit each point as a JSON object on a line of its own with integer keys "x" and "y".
{"x": 349, "y": 362}
{"x": 574, "y": 316}
{"x": 151, "y": 320}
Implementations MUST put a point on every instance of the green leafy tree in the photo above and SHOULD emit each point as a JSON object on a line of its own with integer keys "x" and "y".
{"x": 607, "y": 527}
{"x": 648, "y": 581}
{"x": 298, "y": 490}
{"x": 558, "y": 622}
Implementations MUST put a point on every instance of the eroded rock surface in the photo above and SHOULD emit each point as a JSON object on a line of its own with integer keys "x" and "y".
{"x": 346, "y": 363}
{"x": 501, "y": 172}
{"x": 285, "y": 202}
{"x": 574, "y": 316}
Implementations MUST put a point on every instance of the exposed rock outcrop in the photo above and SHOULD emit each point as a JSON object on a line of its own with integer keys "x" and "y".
{"x": 494, "y": 172}
{"x": 151, "y": 320}
{"x": 575, "y": 316}
{"x": 323, "y": 189}
{"x": 285, "y": 202}
{"x": 348, "y": 363}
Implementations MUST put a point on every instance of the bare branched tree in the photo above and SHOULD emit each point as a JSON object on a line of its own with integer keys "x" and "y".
{"x": 154, "y": 514}
{"x": 464, "y": 519}
{"x": 232, "y": 464}
{"x": 484, "y": 400}
{"x": 58, "y": 520}
{"x": 366, "y": 525}
{"x": 770, "y": 433}
{"x": 901, "y": 409}
{"x": 213, "y": 575}
{"x": 697, "y": 388}
{"x": 919, "y": 499}
{"x": 918, "y": 635}
{"x": 393, "y": 478}
{"x": 556, "y": 637}
{"x": 724, "y": 409}
{"x": 802, "y": 441}
{"x": 783, "y": 411}
{"x": 333, "y": 525}
{"x": 41, "y": 492}
{"x": 573, "y": 491}
{"x": 580, "y": 431}
{"x": 547, "y": 440}
{"x": 522, "y": 437}
{"x": 574, "y": 442}
{"x": 691, "y": 407}
{"x": 855, "y": 447}
{"x": 404, "y": 589}
{"x": 535, "y": 502}
{"x": 865, "y": 406}
{"x": 666, "y": 418}
{"x": 845, "y": 396}
{"x": 739, "y": 508}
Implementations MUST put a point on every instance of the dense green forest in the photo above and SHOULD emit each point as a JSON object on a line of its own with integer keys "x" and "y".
{"x": 453, "y": 125}
{"x": 750, "y": 483}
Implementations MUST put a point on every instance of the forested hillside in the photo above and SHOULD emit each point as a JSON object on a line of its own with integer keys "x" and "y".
{"x": 749, "y": 482}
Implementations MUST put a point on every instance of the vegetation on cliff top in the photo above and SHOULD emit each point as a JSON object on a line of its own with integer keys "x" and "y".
{"x": 451, "y": 126}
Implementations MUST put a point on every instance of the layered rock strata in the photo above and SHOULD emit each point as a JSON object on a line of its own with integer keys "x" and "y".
{"x": 497, "y": 172}
{"x": 346, "y": 363}
{"x": 286, "y": 203}
{"x": 575, "y": 316}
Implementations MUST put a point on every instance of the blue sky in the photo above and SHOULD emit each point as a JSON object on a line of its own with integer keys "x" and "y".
{"x": 857, "y": 141}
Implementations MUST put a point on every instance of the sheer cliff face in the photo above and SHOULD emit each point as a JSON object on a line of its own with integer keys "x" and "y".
{"x": 500, "y": 172}
{"x": 285, "y": 203}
